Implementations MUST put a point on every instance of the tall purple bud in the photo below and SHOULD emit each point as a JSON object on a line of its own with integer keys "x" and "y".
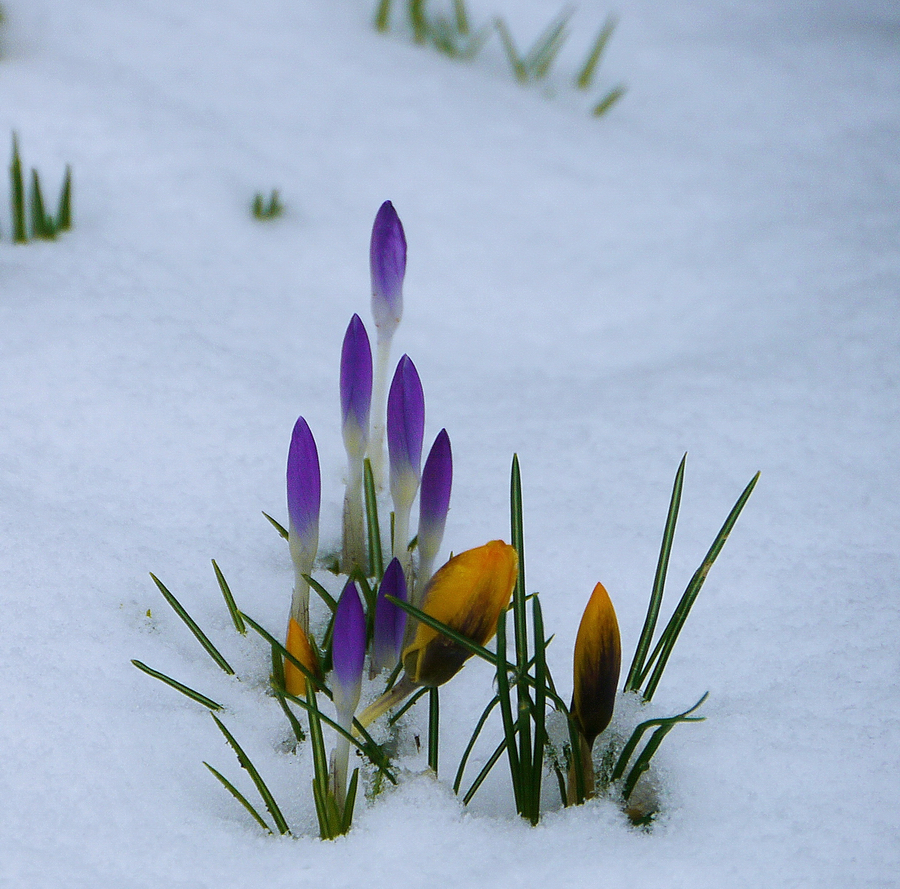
{"x": 390, "y": 620}
{"x": 434, "y": 502}
{"x": 356, "y": 401}
{"x": 405, "y": 430}
{"x": 304, "y": 495}
{"x": 387, "y": 259}
{"x": 348, "y": 657}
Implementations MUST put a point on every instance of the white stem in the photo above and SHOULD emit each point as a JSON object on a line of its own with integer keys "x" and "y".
{"x": 379, "y": 409}
{"x": 300, "y": 599}
{"x": 341, "y": 760}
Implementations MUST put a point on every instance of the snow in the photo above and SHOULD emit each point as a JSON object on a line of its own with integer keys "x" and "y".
{"x": 713, "y": 267}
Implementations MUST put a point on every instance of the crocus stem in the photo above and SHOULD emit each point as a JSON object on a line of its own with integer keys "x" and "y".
{"x": 354, "y": 555}
{"x": 379, "y": 409}
{"x": 402, "y": 689}
{"x": 341, "y": 761}
{"x": 587, "y": 765}
{"x": 424, "y": 571}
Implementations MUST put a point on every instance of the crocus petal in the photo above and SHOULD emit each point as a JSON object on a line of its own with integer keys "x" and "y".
{"x": 349, "y": 649}
{"x": 387, "y": 255}
{"x": 390, "y": 620}
{"x": 467, "y": 594}
{"x": 356, "y": 386}
{"x": 434, "y": 497}
{"x": 405, "y": 430}
{"x": 597, "y": 661}
{"x": 304, "y": 487}
{"x": 298, "y": 645}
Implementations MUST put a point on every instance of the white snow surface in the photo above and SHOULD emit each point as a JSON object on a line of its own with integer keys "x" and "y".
{"x": 713, "y": 267}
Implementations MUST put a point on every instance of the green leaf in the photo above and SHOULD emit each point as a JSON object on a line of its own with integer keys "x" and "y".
{"x": 236, "y": 618}
{"x": 179, "y": 686}
{"x": 64, "y": 211}
{"x": 350, "y": 802}
{"x": 586, "y": 74}
{"x": 286, "y": 654}
{"x": 676, "y": 622}
{"x": 498, "y": 752}
{"x": 545, "y": 49}
{"x": 382, "y": 15}
{"x": 324, "y": 595}
{"x": 434, "y": 726}
{"x": 509, "y": 725}
{"x": 659, "y": 582}
{"x": 191, "y": 624}
{"x": 278, "y": 527}
{"x": 608, "y": 101}
{"x": 422, "y": 691}
{"x": 457, "y": 782}
{"x": 515, "y": 61}
{"x": 264, "y": 792}
{"x": 17, "y": 188}
{"x": 239, "y": 797}
{"x": 539, "y": 714}
{"x": 376, "y": 560}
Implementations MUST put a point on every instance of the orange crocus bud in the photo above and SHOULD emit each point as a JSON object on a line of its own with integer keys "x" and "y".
{"x": 467, "y": 594}
{"x": 598, "y": 657}
{"x": 298, "y": 645}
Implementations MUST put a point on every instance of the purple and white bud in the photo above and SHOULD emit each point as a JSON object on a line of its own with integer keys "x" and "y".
{"x": 390, "y": 620}
{"x": 434, "y": 503}
{"x": 304, "y": 495}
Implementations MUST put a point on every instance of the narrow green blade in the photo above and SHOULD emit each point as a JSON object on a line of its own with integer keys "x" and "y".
{"x": 586, "y": 74}
{"x": 515, "y": 61}
{"x": 278, "y": 526}
{"x": 412, "y": 700}
{"x": 17, "y": 188}
{"x": 676, "y": 622}
{"x": 457, "y": 781}
{"x": 608, "y": 101}
{"x": 540, "y": 704}
{"x": 540, "y": 58}
{"x": 479, "y": 780}
{"x": 239, "y": 797}
{"x": 236, "y": 618}
{"x": 179, "y": 686}
{"x": 434, "y": 727}
{"x": 264, "y": 792}
{"x": 324, "y": 595}
{"x": 509, "y": 724}
{"x": 383, "y": 15}
{"x": 376, "y": 560}
{"x": 320, "y": 685}
{"x": 350, "y": 802}
{"x": 191, "y": 624}
{"x": 64, "y": 211}
{"x": 659, "y": 583}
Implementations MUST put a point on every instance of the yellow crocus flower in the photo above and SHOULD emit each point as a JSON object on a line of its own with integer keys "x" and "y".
{"x": 298, "y": 645}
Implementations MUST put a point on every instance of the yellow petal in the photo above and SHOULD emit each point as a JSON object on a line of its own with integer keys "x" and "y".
{"x": 467, "y": 594}
{"x": 598, "y": 657}
{"x": 298, "y": 645}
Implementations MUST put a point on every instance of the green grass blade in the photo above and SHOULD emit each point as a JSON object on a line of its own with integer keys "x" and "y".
{"x": 278, "y": 527}
{"x": 296, "y": 728}
{"x": 518, "y": 542}
{"x": 320, "y": 758}
{"x": 540, "y": 58}
{"x": 191, "y": 624}
{"x": 350, "y": 802}
{"x": 676, "y": 622}
{"x": 64, "y": 211}
{"x": 479, "y": 780}
{"x": 515, "y": 61}
{"x": 17, "y": 191}
{"x": 608, "y": 101}
{"x": 509, "y": 725}
{"x": 540, "y": 704}
{"x": 434, "y": 727}
{"x": 461, "y": 16}
{"x": 264, "y": 792}
{"x": 179, "y": 686}
{"x": 417, "y": 20}
{"x": 376, "y": 560}
{"x": 586, "y": 74}
{"x": 639, "y": 730}
{"x": 239, "y": 797}
{"x": 383, "y": 16}
{"x": 236, "y": 618}
{"x": 318, "y": 683}
{"x": 457, "y": 781}
{"x": 659, "y": 583}
{"x": 324, "y": 595}
{"x": 39, "y": 227}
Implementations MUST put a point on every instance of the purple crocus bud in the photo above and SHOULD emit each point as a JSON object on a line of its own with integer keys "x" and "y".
{"x": 348, "y": 651}
{"x": 405, "y": 430}
{"x": 356, "y": 387}
{"x": 390, "y": 620}
{"x": 304, "y": 491}
{"x": 434, "y": 502}
{"x": 387, "y": 256}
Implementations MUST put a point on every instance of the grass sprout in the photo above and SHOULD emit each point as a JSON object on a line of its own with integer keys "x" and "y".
{"x": 30, "y": 219}
{"x": 264, "y": 208}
